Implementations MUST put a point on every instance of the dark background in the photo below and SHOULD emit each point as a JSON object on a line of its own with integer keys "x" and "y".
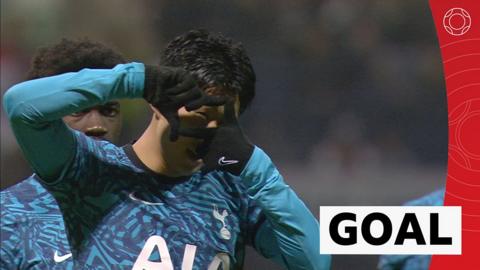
{"x": 350, "y": 100}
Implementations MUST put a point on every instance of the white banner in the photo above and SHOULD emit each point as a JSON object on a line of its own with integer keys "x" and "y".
{"x": 390, "y": 230}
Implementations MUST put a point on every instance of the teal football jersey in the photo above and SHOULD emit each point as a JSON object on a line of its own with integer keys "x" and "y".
{"x": 413, "y": 262}
{"x": 120, "y": 214}
{"x": 99, "y": 207}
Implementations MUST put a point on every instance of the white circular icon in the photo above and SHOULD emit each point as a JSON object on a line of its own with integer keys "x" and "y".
{"x": 457, "y": 21}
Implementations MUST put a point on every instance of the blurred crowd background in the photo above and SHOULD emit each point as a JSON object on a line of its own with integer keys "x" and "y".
{"x": 350, "y": 101}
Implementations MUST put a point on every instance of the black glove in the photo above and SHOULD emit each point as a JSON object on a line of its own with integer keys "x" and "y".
{"x": 169, "y": 88}
{"x": 224, "y": 148}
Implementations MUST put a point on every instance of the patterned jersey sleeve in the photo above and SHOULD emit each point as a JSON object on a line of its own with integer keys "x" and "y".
{"x": 35, "y": 109}
{"x": 70, "y": 164}
{"x": 86, "y": 193}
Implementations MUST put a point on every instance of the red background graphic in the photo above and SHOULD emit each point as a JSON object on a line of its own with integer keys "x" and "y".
{"x": 461, "y": 64}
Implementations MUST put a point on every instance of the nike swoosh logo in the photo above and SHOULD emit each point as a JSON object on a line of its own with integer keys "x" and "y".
{"x": 58, "y": 259}
{"x": 223, "y": 161}
{"x": 133, "y": 198}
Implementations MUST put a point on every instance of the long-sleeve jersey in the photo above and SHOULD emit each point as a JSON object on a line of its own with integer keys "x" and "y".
{"x": 118, "y": 214}
{"x": 413, "y": 262}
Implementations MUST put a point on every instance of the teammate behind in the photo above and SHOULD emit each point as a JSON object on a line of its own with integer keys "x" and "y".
{"x": 102, "y": 121}
{"x": 27, "y": 208}
{"x": 148, "y": 205}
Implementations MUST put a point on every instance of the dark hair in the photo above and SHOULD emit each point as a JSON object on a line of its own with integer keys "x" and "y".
{"x": 215, "y": 61}
{"x": 71, "y": 56}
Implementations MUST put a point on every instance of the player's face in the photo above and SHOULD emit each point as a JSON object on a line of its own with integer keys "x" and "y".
{"x": 183, "y": 151}
{"x": 102, "y": 121}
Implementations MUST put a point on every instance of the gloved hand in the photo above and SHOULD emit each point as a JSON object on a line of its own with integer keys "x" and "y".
{"x": 225, "y": 147}
{"x": 169, "y": 88}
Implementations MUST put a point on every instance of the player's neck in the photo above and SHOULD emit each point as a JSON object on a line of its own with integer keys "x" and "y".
{"x": 149, "y": 150}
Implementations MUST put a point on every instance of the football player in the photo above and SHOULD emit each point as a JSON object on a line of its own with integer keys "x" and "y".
{"x": 30, "y": 216}
{"x": 190, "y": 193}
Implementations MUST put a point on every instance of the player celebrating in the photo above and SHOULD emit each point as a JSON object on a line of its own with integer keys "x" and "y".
{"x": 27, "y": 208}
{"x": 148, "y": 205}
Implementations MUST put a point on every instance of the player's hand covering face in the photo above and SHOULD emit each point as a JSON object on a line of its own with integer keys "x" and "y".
{"x": 224, "y": 147}
{"x": 168, "y": 89}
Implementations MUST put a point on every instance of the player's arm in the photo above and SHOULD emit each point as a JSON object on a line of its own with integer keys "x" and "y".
{"x": 290, "y": 233}
{"x": 386, "y": 262}
{"x": 289, "y": 224}
{"x": 35, "y": 109}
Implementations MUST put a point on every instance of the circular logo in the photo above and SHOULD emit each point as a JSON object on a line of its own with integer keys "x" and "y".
{"x": 457, "y": 21}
